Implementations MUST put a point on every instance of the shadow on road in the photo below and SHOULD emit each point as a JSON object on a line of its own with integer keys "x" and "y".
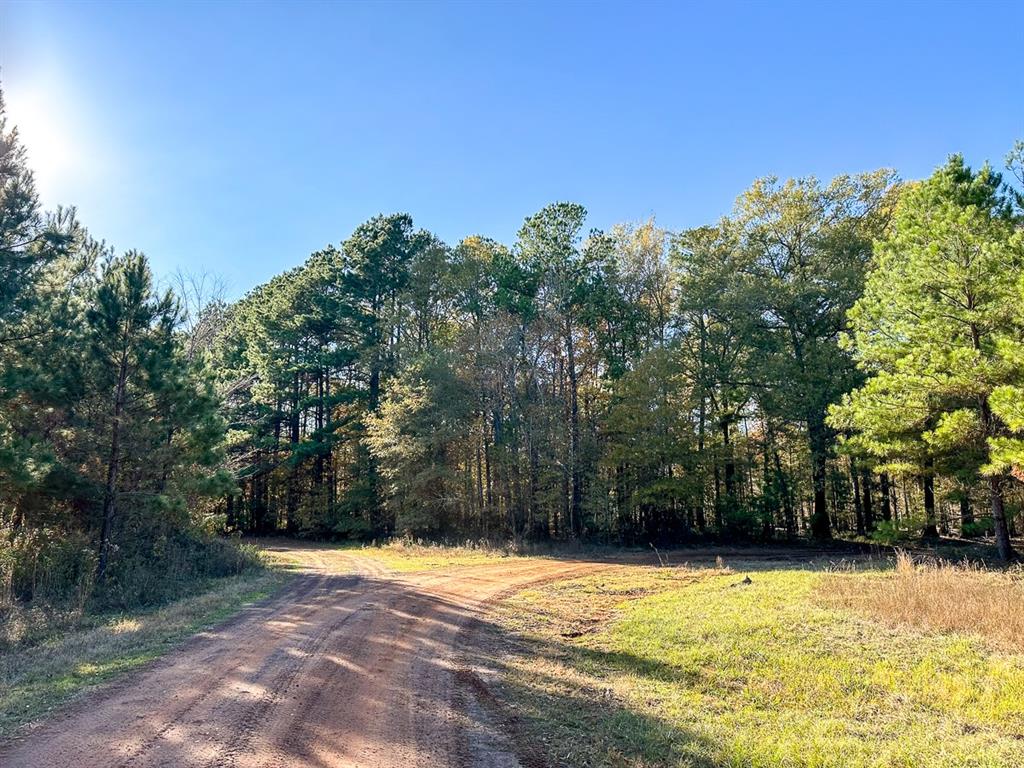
{"x": 374, "y": 669}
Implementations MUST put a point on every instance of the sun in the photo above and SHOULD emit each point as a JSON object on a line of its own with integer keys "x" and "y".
{"x": 39, "y": 112}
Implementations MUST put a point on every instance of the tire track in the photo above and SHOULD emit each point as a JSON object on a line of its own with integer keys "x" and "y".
{"x": 337, "y": 671}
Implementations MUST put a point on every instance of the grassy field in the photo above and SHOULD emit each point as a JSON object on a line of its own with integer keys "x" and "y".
{"x": 39, "y": 678}
{"x": 698, "y": 667}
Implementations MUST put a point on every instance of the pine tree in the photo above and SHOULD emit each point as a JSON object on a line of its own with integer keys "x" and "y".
{"x": 552, "y": 240}
{"x": 44, "y": 261}
{"x": 942, "y": 292}
{"x": 130, "y": 364}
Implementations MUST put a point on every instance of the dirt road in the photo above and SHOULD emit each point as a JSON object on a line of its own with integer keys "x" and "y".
{"x": 338, "y": 670}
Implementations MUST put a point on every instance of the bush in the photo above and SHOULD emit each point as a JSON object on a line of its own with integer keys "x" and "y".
{"x": 892, "y": 532}
{"x": 48, "y": 576}
{"x": 170, "y": 566}
{"x": 46, "y": 565}
{"x": 978, "y": 529}
{"x": 46, "y": 581}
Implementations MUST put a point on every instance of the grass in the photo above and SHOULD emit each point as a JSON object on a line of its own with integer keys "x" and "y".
{"x": 406, "y": 556}
{"x": 690, "y": 667}
{"x": 400, "y": 556}
{"x": 943, "y": 596}
{"x": 37, "y": 679}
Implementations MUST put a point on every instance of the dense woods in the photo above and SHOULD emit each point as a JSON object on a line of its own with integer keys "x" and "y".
{"x": 840, "y": 358}
{"x": 829, "y": 358}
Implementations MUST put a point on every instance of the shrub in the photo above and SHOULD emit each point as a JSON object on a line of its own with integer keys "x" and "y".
{"x": 149, "y": 572}
{"x": 892, "y": 532}
{"x": 46, "y": 581}
{"x": 48, "y": 575}
{"x": 46, "y": 565}
{"x": 978, "y": 529}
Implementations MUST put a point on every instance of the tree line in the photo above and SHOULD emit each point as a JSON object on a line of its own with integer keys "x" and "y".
{"x": 838, "y": 358}
{"x": 828, "y": 358}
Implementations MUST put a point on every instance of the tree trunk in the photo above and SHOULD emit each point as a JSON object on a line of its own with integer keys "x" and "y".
{"x": 858, "y": 508}
{"x": 113, "y": 465}
{"x": 702, "y": 522}
{"x": 719, "y": 525}
{"x": 886, "y": 498}
{"x": 995, "y": 487}
{"x": 928, "y": 486}
{"x": 789, "y": 513}
{"x": 1002, "y": 531}
{"x": 488, "y": 478}
{"x": 318, "y": 462}
{"x": 966, "y": 513}
{"x": 821, "y": 527}
{"x": 332, "y": 480}
{"x": 576, "y": 502}
{"x": 730, "y": 471}
{"x": 480, "y": 487}
{"x": 701, "y": 428}
{"x": 867, "y": 486}
{"x": 770, "y": 492}
{"x": 291, "y": 491}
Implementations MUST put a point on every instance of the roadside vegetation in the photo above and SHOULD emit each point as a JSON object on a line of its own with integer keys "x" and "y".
{"x": 939, "y": 595}
{"x": 701, "y": 667}
{"x": 48, "y": 585}
{"x": 64, "y": 662}
{"x": 399, "y": 555}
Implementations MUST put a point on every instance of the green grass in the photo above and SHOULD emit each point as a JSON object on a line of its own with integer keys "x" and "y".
{"x": 37, "y": 679}
{"x": 676, "y": 667}
{"x": 398, "y": 556}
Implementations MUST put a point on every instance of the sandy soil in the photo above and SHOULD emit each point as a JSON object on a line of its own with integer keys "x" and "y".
{"x": 338, "y": 670}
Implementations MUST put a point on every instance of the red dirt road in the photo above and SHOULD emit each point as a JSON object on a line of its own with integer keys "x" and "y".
{"x": 338, "y": 670}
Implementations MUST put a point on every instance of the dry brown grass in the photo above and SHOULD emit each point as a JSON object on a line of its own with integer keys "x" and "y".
{"x": 941, "y": 596}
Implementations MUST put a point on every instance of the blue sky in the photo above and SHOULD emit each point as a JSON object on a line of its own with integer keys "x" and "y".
{"x": 237, "y": 138}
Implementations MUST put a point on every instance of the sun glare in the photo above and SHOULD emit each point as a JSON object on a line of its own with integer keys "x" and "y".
{"x": 39, "y": 112}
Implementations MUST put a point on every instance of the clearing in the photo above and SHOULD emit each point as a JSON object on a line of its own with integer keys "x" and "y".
{"x": 424, "y": 656}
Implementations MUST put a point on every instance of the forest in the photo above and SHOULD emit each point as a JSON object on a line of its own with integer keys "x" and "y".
{"x": 829, "y": 359}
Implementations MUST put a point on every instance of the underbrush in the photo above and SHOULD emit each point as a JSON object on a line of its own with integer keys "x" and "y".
{"x": 36, "y": 678}
{"x": 938, "y": 595}
{"x": 172, "y": 566}
{"x": 48, "y": 579}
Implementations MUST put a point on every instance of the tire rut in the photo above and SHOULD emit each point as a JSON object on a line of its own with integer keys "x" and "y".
{"x": 336, "y": 671}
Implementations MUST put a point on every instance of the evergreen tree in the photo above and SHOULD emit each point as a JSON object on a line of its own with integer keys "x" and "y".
{"x": 942, "y": 292}
{"x": 129, "y": 364}
{"x": 551, "y": 240}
